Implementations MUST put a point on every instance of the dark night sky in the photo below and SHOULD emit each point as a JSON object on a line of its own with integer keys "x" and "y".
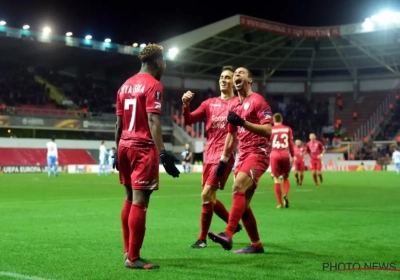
{"x": 146, "y": 21}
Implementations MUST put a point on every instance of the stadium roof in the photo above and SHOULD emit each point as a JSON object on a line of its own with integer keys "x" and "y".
{"x": 267, "y": 48}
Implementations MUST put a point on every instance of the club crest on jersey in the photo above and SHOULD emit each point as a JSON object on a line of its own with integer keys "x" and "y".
{"x": 158, "y": 95}
{"x": 246, "y": 105}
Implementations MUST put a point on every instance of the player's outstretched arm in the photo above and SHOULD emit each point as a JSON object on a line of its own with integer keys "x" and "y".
{"x": 259, "y": 129}
{"x": 118, "y": 130}
{"x": 155, "y": 130}
{"x": 195, "y": 116}
{"x": 230, "y": 143}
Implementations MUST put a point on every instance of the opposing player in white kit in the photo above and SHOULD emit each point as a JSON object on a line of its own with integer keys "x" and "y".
{"x": 396, "y": 160}
{"x": 111, "y": 153}
{"x": 103, "y": 159}
{"x": 52, "y": 156}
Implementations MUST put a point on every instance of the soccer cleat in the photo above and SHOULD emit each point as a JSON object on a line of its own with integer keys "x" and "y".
{"x": 279, "y": 206}
{"x": 140, "y": 264}
{"x": 238, "y": 228}
{"x": 199, "y": 244}
{"x": 221, "y": 239}
{"x": 250, "y": 250}
{"x": 286, "y": 201}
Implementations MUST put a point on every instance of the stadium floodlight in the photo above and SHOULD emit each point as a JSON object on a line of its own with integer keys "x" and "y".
{"x": 368, "y": 25}
{"x": 2, "y": 22}
{"x": 46, "y": 30}
{"x": 88, "y": 37}
{"x": 135, "y": 45}
{"x": 107, "y": 40}
{"x": 142, "y": 45}
{"x": 172, "y": 52}
{"x": 385, "y": 18}
{"x": 26, "y": 27}
{"x": 68, "y": 34}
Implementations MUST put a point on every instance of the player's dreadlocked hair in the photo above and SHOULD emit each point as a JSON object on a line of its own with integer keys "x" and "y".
{"x": 228, "y": 68}
{"x": 151, "y": 53}
{"x": 277, "y": 118}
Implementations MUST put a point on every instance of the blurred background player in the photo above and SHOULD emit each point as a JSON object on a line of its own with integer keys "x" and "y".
{"x": 52, "y": 157}
{"x": 299, "y": 165}
{"x": 187, "y": 156}
{"x": 251, "y": 125}
{"x": 281, "y": 158}
{"x": 214, "y": 111}
{"x": 396, "y": 160}
{"x": 316, "y": 151}
{"x": 103, "y": 156}
{"x": 139, "y": 149}
{"x": 111, "y": 153}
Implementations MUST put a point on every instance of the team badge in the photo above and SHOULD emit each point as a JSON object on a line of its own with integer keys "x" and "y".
{"x": 246, "y": 105}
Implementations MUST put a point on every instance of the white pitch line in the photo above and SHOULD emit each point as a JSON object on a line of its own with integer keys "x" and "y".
{"x": 20, "y": 276}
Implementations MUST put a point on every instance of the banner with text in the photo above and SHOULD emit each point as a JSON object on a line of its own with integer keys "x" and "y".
{"x": 28, "y": 169}
{"x": 55, "y": 123}
{"x": 289, "y": 30}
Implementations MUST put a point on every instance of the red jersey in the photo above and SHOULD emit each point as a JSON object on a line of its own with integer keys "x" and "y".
{"x": 314, "y": 149}
{"x": 139, "y": 95}
{"x": 282, "y": 140}
{"x": 299, "y": 153}
{"x": 256, "y": 110}
{"x": 214, "y": 111}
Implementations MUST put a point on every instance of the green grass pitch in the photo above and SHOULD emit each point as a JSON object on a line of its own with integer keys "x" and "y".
{"x": 69, "y": 228}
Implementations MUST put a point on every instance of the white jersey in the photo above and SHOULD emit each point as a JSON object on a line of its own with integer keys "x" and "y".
{"x": 110, "y": 156}
{"x": 52, "y": 149}
{"x": 396, "y": 157}
{"x": 103, "y": 153}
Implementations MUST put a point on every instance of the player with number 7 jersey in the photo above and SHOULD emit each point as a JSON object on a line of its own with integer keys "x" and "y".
{"x": 282, "y": 151}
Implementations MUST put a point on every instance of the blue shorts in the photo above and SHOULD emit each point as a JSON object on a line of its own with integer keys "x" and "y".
{"x": 51, "y": 160}
{"x": 397, "y": 166}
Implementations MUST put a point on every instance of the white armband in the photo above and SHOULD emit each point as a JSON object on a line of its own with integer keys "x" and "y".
{"x": 224, "y": 158}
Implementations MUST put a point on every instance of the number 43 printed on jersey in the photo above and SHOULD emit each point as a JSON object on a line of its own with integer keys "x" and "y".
{"x": 280, "y": 141}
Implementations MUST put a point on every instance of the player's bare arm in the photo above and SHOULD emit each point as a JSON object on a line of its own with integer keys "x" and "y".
{"x": 155, "y": 129}
{"x": 118, "y": 130}
{"x": 259, "y": 129}
{"x": 230, "y": 143}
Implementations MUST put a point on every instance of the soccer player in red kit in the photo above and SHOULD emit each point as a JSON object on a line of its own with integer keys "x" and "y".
{"x": 214, "y": 111}
{"x": 140, "y": 147}
{"x": 299, "y": 162}
{"x": 316, "y": 151}
{"x": 281, "y": 158}
{"x": 249, "y": 122}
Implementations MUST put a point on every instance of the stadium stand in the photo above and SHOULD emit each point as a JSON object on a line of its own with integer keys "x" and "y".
{"x": 25, "y": 157}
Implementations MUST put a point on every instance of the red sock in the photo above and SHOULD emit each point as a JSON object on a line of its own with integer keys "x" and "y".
{"x": 220, "y": 211}
{"x": 137, "y": 228}
{"x": 278, "y": 193}
{"x": 320, "y": 177}
{"x": 126, "y": 208}
{"x": 286, "y": 187}
{"x": 315, "y": 178}
{"x": 207, "y": 210}
{"x": 250, "y": 224}
{"x": 238, "y": 207}
{"x": 301, "y": 178}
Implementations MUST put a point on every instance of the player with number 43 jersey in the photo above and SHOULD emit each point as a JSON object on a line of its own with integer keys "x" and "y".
{"x": 281, "y": 158}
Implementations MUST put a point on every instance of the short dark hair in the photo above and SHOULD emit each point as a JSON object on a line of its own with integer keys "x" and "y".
{"x": 278, "y": 118}
{"x": 228, "y": 68}
{"x": 151, "y": 53}
{"x": 249, "y": 73}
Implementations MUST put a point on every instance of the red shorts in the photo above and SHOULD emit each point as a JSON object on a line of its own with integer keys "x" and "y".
{"x": 139, "y": 167}
{"x": 254, "y": 165}
{"x": 315, "y": 164}
{"x": 209, "y": 177}
{"x": 299, "y": 166}
{"x": 280, "y": 165}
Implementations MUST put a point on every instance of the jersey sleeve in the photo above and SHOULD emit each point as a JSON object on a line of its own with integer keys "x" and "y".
{"x": 195, "y": 116}
{"x": 307, "y": 148}
{"x": 291, "y": 144}
{"x": 264, "y": 112}
{"x": 321, "y": 147}
{"x": 154, "y": 99}
{"x": 119, "y": 106}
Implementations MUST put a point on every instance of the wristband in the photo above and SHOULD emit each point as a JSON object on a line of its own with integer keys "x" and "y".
{"x": 224, "y": 158}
